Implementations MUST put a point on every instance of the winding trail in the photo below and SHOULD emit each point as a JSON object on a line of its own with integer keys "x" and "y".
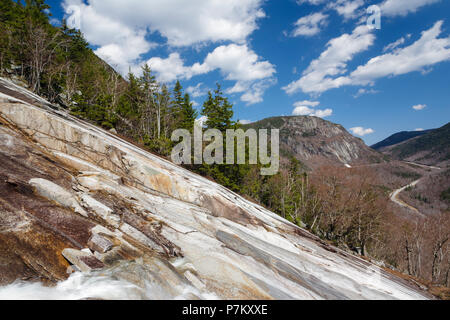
{"x": 394, "y": 195}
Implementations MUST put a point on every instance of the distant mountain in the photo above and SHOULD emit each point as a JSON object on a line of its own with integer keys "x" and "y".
{"x": 398, "y": 138}
{"x": 315, "y": 141}
{"x": 432, "y": 148}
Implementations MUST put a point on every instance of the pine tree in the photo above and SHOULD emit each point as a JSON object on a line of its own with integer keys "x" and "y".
{"x": 176, "y": 111}
{"x": 149, "y": 88}
{"x": 178, "y": 93}
{"x": 188, "y": 113}
{"x": 218, "y": 111}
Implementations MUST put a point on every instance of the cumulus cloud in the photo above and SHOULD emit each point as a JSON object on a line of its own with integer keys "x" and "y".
{"x": 347, "y": 8}
{"x": 120, "y": 28}
{"x": 180, "y": 24}
{"x": 197, "y": 90}
{"x": 332, "y": 62}
{"x": 419, "y": 107}
{"x": 312, "y": 2}
{"x": 307, "y": 103}
{"x": 394, "y": 45}
{"x": 360, "y": 131}
{"x": 171, "y": 68}
{"x": 426, "y": 51}
{"x": 403, "y": 7}
{"x": 119, "y": 44}
{"x": 419, "y": 129}
{"x": 255, "y": 91}
{"x": 236, "y": 63}
{"x": 328, "y": 71}
{"x": 363, "y": 91}
{"x": 306, "y": 108}
{"x": 310, "y": 25}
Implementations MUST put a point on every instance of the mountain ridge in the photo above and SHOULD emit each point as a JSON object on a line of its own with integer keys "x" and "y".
{"x": 430, "y": 148}
{"x": 316, "y": 141}
{"x": 398, "y": 138}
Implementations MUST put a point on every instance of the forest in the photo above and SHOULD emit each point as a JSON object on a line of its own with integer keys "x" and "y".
{"x": 348, "y": 209}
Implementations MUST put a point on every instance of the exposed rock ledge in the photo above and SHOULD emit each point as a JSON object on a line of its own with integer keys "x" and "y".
{"x": 71, "y": 193}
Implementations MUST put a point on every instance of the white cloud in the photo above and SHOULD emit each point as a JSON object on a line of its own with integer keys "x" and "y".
{"x": 323, "y": 113}
{"x": 254, "y": 91}
{"x": 306, "y": 103}
{"x": 119, "y": 44}
{"x": 181, "y": 24}
{"x": 394, "y": 44}
{"x": 120, "y": 28}
{"x": 419, "y": 129}
{"x": 236, "y": 63}
{"x": 55, "y": 22}
{"x": 245, "y": 121}
{"x": 351, "y": 8}
{"x": 363, "y": 91}
{"x": 197, "y": 91}
{"x": 312, "y": 2}
{"x": 347, "y": 8}
{"x": 426, "y": 51}
{"x": 328, "y": 71}
{"x": 403, "y": 7}
{"x": 305, "y": 108}
{"x": 419, "y": 107}
{"x": 332, "y": 62}
{"x": 171, "y": 68}
{"x": 310, "y": 25}
{"x": 360, "y": 131}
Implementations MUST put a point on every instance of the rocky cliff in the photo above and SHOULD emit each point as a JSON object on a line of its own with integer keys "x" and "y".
{"x": 316, "y": 142}
{"x": 90, "y": 215}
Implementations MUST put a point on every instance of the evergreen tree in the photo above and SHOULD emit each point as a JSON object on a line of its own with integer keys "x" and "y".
{"x": 178, "y": 93}
{"x": 218, "y": 111}
{"x": 149, "y": 88}
{"x": 188, "y": 114}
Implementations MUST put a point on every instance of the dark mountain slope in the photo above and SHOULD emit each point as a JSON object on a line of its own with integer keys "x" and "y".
{"x": 398, "y": 138}
{"x": 433, "y": 148}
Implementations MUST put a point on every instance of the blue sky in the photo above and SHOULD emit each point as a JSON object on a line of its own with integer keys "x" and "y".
{"x": 284, "y": 57}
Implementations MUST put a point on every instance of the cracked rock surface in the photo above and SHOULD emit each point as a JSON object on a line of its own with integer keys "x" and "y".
{"x": 75, "y": 198}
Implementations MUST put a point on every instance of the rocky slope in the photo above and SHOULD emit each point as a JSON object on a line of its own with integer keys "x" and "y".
{"x": 94, "y": 216}
{"x": 315, "y": 141}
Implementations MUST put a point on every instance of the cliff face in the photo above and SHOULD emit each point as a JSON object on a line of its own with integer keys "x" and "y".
{"x": 315, "y": 141}
{"x": 76, "y": 198}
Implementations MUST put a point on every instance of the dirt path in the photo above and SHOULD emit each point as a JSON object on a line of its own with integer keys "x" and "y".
{"x": 394, "y": 195}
